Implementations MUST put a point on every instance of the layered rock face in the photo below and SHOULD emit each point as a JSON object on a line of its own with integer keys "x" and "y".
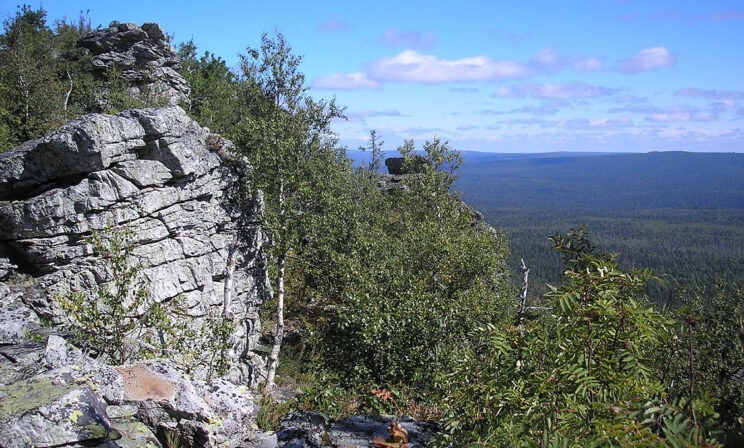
{"x": 142, "y": 56}
{"x": 174, "y": 186}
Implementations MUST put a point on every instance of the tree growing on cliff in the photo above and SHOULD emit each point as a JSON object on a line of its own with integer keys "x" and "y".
{"x": 408, "y": 274}
{"x": 287, "y": 137}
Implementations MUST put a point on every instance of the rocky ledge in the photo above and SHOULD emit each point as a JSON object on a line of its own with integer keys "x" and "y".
{"x": 173, "y": 185}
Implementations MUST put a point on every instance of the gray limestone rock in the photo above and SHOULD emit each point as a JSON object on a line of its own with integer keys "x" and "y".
{"x": 214, "y": 413}
{"x": 52, "y": 394}
{"x": 17, "y": 322}
{"x": 173, "y": 185}
{"x": 396, "y": 165}
{"x": 52, "y": 410}
{"x": 143, "y": 58}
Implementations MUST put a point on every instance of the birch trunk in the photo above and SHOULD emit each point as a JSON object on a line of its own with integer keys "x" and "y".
{"x": 280, "y": 264}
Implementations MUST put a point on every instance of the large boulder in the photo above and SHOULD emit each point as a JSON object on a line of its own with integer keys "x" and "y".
{"x": 174, "y": 186}
{"x": 142, "y": 56}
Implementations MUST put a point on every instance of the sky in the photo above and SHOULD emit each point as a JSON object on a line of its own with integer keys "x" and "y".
{"x": 496, "y": 76}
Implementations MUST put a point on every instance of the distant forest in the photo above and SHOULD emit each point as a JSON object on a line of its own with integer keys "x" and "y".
{"x": 681, "y": 214}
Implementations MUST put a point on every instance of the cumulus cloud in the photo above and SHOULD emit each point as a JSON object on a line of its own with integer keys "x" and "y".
{"x": 333, "y": 26}
{"x": 543, "y": 109}
{"x": 546, "y": 108}
{"x": 595, "y": 123}
{"x": 411, "y": 66}
{"x": 648, "y": 59}
{"x": 640, "y": 108}
{"x": 711, "y": 94}
{"x": 550, "y": 59}
{"x": 566, "y": 91}
{"x": 718, "y": 107}
{"x": 345, "y": 81}
{"x": 587, "y": 65}
{"x": 408, "y": 39}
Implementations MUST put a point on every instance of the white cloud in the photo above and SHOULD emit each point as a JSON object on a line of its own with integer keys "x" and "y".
{"x": 587, "y": 65}
{"x": 648, "y": 59}
{"x": 546, "y": 108}
{"x": 345, "y": 81}
{"x": 361, "y": 115}
{"x": 681, "y": 114}
{"x": 566, "y": 91}
{"x": 408, "y": 39}
{"x": 548, "y": 59}
{"x": 411, "y": 66}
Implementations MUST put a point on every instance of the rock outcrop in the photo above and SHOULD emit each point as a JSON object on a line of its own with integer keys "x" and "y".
{"x": 142, "y": 57}
{"x": 174, "y": 186}
{"x": 396, "y": 165}
{"x": 52, "y": 394}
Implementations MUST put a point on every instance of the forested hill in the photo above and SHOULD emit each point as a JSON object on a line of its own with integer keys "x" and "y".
{"x": 680, "y": 214}
{"x": 604, "y": 182}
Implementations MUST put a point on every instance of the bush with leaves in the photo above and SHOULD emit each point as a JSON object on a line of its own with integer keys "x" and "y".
{"x": 115, "y": 320}
{"x": 583, "y": 373}
{"x": 706, "y": 359}
{"x": 395, "y": 281}
{"x": 118, "y": 322}
{"x": 43, "y": 76}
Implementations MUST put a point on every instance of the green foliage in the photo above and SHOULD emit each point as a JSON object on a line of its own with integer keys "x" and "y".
{"x": 43, "y": 82}
{"x": 713, "y": 328}
{"x": 214, "y": 89}
{"x": 115, "y": 321}
{"x": 270, "y": 413}
{"x": 398, "y": 279}
{"x": 690, "y": 249}
{"x": 577, "y": 375}
{"x": 288, "y": 139}
{"x": 117, "y": 98}
{"x": 375, "y": 147}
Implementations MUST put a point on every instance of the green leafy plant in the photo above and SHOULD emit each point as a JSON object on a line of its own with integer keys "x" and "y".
{"x": 579, "y": 372}
{"x": 116, "y": 320}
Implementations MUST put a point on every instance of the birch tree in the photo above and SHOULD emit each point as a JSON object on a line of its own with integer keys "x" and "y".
{"x": 288, "y": 139}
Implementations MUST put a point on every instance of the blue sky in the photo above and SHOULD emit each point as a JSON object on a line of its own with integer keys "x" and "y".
{"x": 498, "y": 76}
